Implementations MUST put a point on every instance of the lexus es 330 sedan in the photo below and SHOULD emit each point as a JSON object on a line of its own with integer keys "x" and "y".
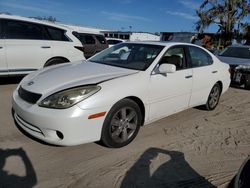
{"x": 110, "y": 96}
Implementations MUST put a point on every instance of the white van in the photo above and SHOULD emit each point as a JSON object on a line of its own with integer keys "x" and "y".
{"x": 28, "y": 44}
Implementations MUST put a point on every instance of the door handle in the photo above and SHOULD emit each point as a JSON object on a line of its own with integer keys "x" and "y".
{"x": 189, "y": 76}
{"x": 214, "y": 71}
{"x": 1, "y": 47}
{"x": 45, "y": 46}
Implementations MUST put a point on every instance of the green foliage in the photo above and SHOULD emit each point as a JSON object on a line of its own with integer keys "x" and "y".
{"x": 228, "y": 15}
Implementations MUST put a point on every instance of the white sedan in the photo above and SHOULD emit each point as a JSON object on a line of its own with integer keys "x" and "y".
{"x": 110, "y": 96}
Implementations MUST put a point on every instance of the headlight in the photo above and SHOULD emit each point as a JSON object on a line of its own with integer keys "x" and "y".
{"x": 67, "y": 98}
{"x": 243, "y": 67}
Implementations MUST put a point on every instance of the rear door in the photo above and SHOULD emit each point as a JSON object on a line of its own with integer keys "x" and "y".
{"x": 61, "y": 46}
{"x": 205, "y": 74}
{"x": 27, "y": 47}
{"x": 3, "y": 64}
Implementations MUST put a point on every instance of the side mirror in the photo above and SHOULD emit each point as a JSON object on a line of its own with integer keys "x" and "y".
{"x": 167, "y": 68}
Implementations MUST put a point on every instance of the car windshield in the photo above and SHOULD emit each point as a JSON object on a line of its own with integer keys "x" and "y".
{"x": 129, "y": 55}
{"x": 237, "y": 52}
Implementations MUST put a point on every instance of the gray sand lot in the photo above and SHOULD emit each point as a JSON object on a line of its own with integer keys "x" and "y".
{"x": 193, "y": 148}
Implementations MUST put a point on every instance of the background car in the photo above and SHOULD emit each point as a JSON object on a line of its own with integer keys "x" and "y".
{"x": 238, "y": 57}
{"x": 113, "y": 94}
{"x": 242, "y": 178}
{"x": 92, "y": 43}
{"x": 114, "y": 41}
{"x": 29, "y": 44}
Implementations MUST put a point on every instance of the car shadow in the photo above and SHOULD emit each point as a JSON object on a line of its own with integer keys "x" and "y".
{"x": 176, "y": 172}
{"x": 238, "y": 87}
{"x": 10, "y": 80}
{"x": 12, "y": 180}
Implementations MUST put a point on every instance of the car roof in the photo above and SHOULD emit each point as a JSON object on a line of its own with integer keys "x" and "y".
{"x": 33, "y": 20}
{"x": 161, "y": 43}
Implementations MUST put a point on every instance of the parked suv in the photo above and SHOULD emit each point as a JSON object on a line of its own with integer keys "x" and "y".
{"x": 28, "y": 44}
{"x": 92, "y": 43}
{"x": 114, "y": 41}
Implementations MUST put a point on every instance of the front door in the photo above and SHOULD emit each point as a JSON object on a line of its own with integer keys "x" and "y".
{"x": 170, "y": 93}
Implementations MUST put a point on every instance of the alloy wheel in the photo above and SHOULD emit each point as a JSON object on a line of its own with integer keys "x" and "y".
{"x": 123, "y": 124}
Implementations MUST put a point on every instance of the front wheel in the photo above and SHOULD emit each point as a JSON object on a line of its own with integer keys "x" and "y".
{"x": 214, "y": 97}
{"x": 122, "y": 124}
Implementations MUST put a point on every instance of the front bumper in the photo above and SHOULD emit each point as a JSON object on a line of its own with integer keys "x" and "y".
{"x": 56, "y": 126}
{"x": 239, "y": 76}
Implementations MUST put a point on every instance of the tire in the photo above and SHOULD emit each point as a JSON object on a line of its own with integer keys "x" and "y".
{"x": 247, "y": 82}
{"x": 214, "y": 97}
{"x": 55, "y": 61}
{"x": 122, "y": 124}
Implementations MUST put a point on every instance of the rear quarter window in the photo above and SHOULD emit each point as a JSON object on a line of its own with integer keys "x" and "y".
{"x": 84, "y": 38}
{"x": 57, "y": 34}
{"x": 101, "y": 39}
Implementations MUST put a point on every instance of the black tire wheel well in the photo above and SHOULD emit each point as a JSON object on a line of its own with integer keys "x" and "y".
{"x": 208, "y": 106}
{"x": 139, "y": 102}
{"x": 221, "y": 85}
{"x": 55, "y": 61}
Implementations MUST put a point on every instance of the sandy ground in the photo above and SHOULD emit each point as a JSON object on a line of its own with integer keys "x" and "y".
{"x": 194, "y": 148}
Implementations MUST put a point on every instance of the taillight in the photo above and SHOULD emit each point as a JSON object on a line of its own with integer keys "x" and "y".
{"x": 81, "y": 48}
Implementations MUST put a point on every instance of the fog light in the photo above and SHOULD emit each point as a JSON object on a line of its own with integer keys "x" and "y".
{"x": 59, "y": 134}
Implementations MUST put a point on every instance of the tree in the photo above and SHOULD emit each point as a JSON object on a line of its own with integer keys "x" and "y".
{"x": 228, "y": 15}
{"x": 49, "y": 18}
{"x": 6, "y": 13}
{"x": 246, "y": 33}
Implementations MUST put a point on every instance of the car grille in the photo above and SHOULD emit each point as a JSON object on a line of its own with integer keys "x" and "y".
{"x": 28, "y": 96}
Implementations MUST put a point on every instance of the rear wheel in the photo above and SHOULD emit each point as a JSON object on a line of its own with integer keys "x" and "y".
{"x": 122, "y": 124}
{"x": 214, "y": 97}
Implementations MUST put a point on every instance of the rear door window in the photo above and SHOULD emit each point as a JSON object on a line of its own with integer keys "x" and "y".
{"x": 23, "y": 30}
{"x": 85, "y": 38}
{"x": 89, "y": 39}
{"x": 56, "y": 34}
{"x": 199, "y": 57}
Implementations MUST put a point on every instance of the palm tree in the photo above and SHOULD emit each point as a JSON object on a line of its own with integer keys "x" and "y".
{"x": 246, "y": 33}
{"x": 227, "y": 14}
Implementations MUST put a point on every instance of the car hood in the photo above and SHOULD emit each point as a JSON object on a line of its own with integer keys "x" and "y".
{"x": 234, "y": 61}
{"x": 56, "y": 78}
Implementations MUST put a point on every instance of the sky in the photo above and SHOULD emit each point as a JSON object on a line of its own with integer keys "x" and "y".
{"x": 135, "y": 15}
